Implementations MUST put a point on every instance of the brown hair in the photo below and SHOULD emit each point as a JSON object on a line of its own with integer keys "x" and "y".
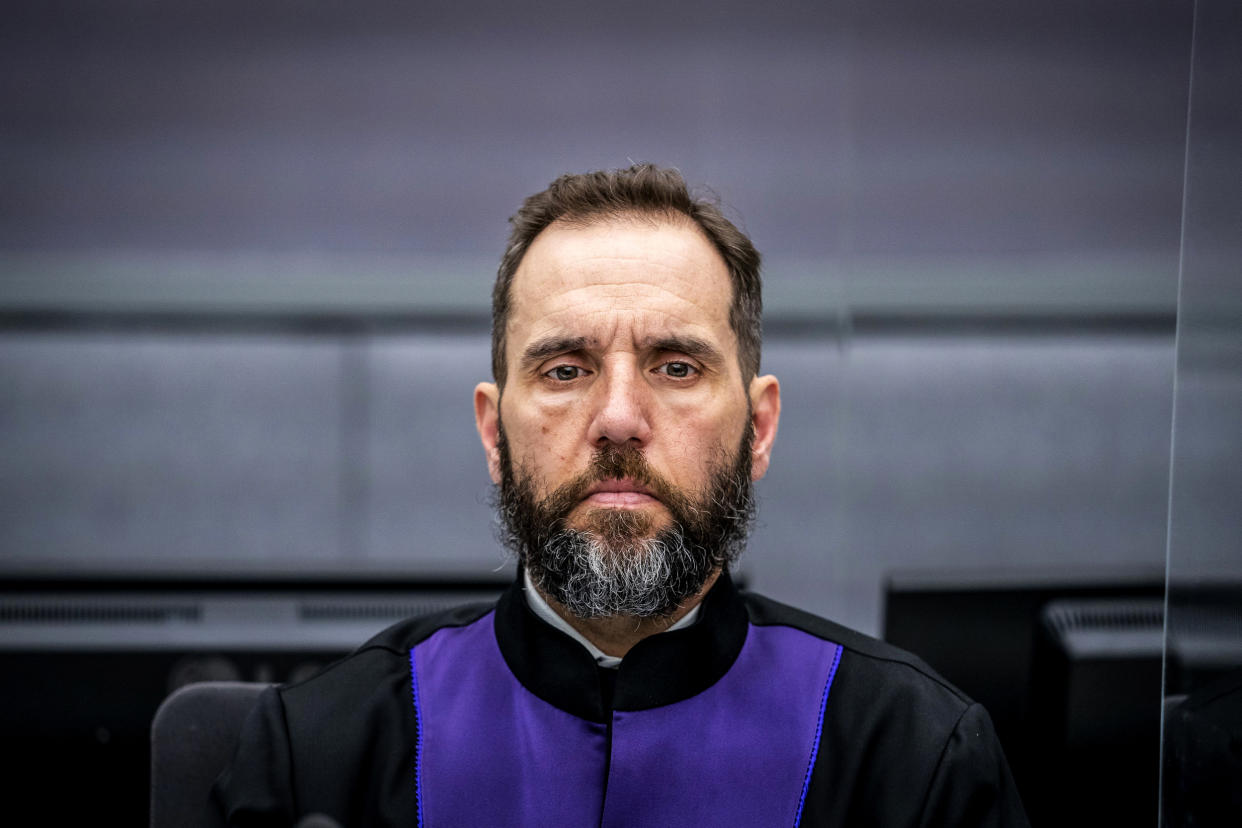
{"x": 643, "y": 189}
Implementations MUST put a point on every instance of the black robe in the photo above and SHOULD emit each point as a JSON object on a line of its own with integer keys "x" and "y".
{"x": 757, "y": 714}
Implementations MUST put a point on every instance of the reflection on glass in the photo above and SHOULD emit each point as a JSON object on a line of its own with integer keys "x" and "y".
{"x": 1202, "y": 747}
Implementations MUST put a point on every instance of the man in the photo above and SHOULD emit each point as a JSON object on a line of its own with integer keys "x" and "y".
{"x": 624, "y": 680}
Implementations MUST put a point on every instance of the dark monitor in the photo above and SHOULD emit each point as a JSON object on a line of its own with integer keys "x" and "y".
{"x": 84, "y": 664}
{"x": 1095, "y": 707}
{"x": 1093, "y": 743}
{"x": 984, "y": 632}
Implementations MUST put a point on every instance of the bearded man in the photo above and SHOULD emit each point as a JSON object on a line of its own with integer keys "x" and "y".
{"x": 623, "y": 680}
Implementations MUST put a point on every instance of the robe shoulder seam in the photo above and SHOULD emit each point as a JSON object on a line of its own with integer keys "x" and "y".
{"x": 942, "y": 757}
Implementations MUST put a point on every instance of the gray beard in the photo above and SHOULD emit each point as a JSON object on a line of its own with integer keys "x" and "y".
{"x": 615, "y": 566}
{"x": 591, "y": 578}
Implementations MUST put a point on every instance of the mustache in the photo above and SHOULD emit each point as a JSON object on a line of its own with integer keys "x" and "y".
{"x": 612, "y": 462}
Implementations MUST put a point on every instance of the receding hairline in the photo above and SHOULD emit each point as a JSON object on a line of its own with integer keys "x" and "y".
{"x": 653, "y": 218}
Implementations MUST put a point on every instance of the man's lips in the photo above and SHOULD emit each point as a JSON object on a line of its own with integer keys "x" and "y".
{"x": 620, "y": 494}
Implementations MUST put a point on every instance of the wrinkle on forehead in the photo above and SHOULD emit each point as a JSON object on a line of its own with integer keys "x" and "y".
{"x": 657, "y": 279}
{"x": 628, "y": 329}
{"x": 610, "y": 337}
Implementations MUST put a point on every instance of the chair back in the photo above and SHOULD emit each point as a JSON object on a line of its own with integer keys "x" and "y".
{"x": 193, "y": 737}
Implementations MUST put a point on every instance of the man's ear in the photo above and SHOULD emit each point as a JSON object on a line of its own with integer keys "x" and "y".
{"x": 765, "y": 416}
{"x": 487, "y": 420}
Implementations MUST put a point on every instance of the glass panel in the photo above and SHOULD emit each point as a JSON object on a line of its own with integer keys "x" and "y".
{"x": 1202, "y": 763}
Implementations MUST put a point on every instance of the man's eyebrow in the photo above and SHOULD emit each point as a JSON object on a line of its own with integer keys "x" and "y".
{"x": 688, "y": 345}
{"x": 549, "y": 346}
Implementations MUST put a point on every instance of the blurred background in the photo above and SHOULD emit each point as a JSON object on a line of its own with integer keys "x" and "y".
{"x": 246, "y": 252}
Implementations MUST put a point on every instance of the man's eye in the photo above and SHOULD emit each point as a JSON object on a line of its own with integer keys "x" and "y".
{"x": 678, "y": 370}
{"x": 564, "y": 373}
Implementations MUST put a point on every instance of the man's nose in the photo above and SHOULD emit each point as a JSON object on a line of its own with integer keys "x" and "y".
{"x": 621, "y": 414}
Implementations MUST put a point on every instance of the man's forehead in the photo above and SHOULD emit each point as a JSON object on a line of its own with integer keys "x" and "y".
{"x": 618, "y": 264}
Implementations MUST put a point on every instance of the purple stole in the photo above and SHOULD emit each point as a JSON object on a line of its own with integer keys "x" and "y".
{"x": 491, "y": 753}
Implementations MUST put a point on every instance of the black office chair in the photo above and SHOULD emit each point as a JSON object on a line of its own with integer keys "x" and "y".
{"x": 193, "y": 736}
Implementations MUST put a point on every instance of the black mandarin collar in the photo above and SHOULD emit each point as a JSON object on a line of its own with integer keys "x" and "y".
{"x": 661, "y": 669}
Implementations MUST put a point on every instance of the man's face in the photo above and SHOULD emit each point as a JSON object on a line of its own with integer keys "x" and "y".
{"x": 624, "y": 393}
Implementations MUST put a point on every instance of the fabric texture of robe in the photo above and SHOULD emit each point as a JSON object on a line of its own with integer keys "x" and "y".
{"x": 756, "y": 715}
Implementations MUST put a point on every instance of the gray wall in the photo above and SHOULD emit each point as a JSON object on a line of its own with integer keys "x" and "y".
{"x": 168, "y": 452}
{"x": 994, "y": 156}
